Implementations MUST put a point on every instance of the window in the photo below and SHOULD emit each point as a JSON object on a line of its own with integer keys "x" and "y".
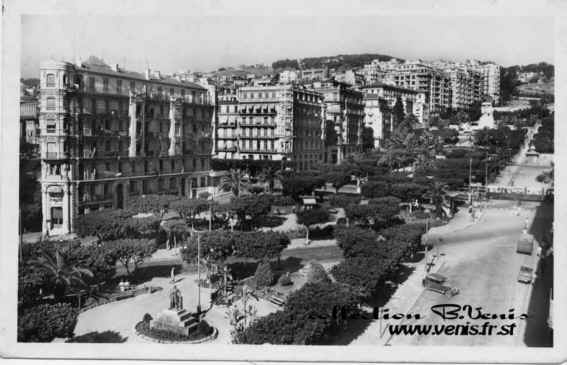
{"x": 56, "y": 216}
{"x": 172, "y": 165}
{"x": 202, "y": 164}
{"x": 50, "y": 80}
{"x": 171, "y": 91}
{"x": 50, "y": 103}
{"x": 107, "y": 145}
{"x": 119, "y": 86}
{"x": 105, "y": 84}
{"x": 133, "y": 88}
{"x": 183, "y": 92}
{"x": 50, "y": 126}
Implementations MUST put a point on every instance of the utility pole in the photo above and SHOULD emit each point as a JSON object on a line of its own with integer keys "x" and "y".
{"x": 470, "y": 180}
{"x": 199, "y": 274}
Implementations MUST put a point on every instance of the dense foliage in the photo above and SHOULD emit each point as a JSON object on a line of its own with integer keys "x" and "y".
{"x": 98, "y": 337}
{"x": 45, "y": 322}
{"x": 308, "y": 217}
{"x": 116, "y": 224}
{"x": 219, "y": 245}
{"x": 308, "y": 315}
{"x": 544, "y": 140}
{"x": 130, "y": 252}
{"x": 295, "y": 186}
{"x": 377, "y": 213}
{"x": 264, "y": 275}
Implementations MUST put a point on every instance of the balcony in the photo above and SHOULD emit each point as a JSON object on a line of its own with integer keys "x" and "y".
{"x": 227, "y": 149}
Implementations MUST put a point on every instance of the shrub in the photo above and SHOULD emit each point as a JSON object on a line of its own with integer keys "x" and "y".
{"x": 147, "y": 317}
{"x": 285, "y": 280}
{"x": 44, "y": 322}
{"x": 375, "y": 189}
{"x": 316, "y": 273}
{"x": 324, "y": 233}
{"x": 203, "y": 329}
{"x": 312, "y": 216}
{"x": 282, "y": 200}
{"x": 342, "y": 200}
{"x": 264, "y": 275}
{"x": 130, "y": 251}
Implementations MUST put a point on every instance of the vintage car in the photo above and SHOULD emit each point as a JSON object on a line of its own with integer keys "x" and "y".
{"x": 435, "y": 282}
{"x": 526, "y": 275}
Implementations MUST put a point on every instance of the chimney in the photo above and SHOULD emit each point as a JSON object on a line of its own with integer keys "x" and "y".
{"x": 116, "y": 68}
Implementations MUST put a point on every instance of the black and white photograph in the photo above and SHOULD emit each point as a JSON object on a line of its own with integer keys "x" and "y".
{"x": 315, "y": 182}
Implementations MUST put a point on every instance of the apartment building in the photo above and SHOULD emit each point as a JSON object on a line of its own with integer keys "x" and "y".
{"x": 378, "y": 116}
{"x": 278, "y": 122}
{"x": 432, "y": 82}
{"x": 490, "y": 80}
{"x": 466, "y": 88}
{"x": 108, "y": 134}
{"x": 413, "y": 101}
{"x": 315, "y": 74}
{"x": 345, "y": 112}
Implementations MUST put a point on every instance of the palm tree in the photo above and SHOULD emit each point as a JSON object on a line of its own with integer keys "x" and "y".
{"x": 232, "y": 182}
{"x": 63, "y": 274}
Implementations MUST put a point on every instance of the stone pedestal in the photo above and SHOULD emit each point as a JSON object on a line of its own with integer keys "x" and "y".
{"x": 181, "y": 322}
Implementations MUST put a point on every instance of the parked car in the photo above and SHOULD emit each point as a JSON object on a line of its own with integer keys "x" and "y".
{"x": 526, "y": 275}
{"x": 525, "y": 245}
{"x": 435, "y": 282}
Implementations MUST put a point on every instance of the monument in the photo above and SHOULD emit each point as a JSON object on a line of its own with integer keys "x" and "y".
{"x": 175, "y": 319}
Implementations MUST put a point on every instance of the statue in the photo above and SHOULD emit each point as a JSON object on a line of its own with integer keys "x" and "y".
{"x": 175, "y": 299}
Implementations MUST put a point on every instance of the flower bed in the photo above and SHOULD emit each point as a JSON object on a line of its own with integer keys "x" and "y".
{"x": 203, "y": 333}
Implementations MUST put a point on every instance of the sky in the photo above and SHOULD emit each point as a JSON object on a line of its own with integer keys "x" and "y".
{"x": 204, "y": 43}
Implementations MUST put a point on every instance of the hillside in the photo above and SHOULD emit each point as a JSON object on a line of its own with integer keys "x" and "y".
{"x": 541, "y": 82}
{"x": 339, "y": 62}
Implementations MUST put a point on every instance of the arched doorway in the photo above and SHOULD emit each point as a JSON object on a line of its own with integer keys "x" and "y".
{"x": 119, "y": 196}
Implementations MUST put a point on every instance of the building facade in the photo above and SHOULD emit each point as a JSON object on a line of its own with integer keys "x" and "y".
{"x": 466, "y": 88}
{"x": 281, "y": 123}
{"x": 29, "y": 120}
{"x": 378, "y": 116}
{"x": 490, "y": 80}
{"x": 108, "y": 134}
{"x": 413, "y": 101}
{"x": 432, "y": 82}
{"x": 345, "y": 114}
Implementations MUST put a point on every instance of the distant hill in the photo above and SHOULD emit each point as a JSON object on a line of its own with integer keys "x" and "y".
{"x": 541, "y": 84}
{"x": 339, "y": 62}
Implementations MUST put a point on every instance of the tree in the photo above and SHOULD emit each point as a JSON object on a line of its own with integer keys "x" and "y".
{"x": 264, "y": 275}
{"x": 295, "y": 186}
{"x": 130, "y": 252}
{"x": 316, "y": 273}
{"x": 62, "y": 274}
{"x": 309, "y": 314}
{"x": 310, "y": 217}
{"x": 398, "y": 112}
{"x": 249, "y": 209}
{"x": 408, "y": 192}
{"x": 232, "y": 182}
{"x": 375, "y": 189}
{"x": 45, "y": 322}
{"x": 367, "y": 138}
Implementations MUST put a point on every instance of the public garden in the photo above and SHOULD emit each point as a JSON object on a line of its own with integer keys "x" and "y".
{"x": 288, "y": 259}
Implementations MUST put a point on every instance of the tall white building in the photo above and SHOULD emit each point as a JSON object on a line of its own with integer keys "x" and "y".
{"x": 490, "y": 72}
